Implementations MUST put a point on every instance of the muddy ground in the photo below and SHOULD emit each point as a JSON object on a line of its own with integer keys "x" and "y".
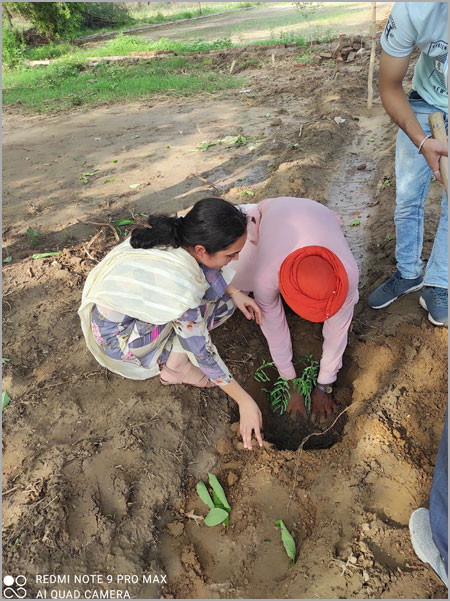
{"x": 99, "y": 472}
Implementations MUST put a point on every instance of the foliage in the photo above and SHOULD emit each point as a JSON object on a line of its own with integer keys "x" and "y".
{"x": 13, "y": 47}
{"x": 100, "y": 14}
{"x": 279, "y": 393}
{"x": 54, "y": 19}
{"x": 65, "y": 19}
{"x": 64, "y": 67}
{"x": 218, "y": 505}
{"x": 5, "y": 400}
{"x": 307, "y": 9}
{"x": 38, "y": 90}
{"x": 287, "y": 540}
{"x": 33, "y": 235}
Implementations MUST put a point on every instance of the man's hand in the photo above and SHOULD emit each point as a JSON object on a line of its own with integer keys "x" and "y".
{"x": 432, "y": 151}
{"x": 322, "y": 404}
{"x": 296, "y": 402}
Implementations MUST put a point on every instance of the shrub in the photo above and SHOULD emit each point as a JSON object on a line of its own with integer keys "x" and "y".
{"x": 13, "y": 47}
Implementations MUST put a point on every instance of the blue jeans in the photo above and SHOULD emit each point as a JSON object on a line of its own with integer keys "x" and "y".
{"x": 413, "y": 177}
{"x": 439, "y": 497}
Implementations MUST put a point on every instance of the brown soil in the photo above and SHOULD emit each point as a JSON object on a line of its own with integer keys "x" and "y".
{"x": 99, "y": 472}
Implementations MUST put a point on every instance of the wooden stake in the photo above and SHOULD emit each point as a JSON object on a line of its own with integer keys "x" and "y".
{"x": 437, "y": 127}
{"x": 372, "y": 55}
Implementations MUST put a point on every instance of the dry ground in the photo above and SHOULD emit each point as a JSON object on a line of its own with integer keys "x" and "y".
{"x": 99, "y": 472}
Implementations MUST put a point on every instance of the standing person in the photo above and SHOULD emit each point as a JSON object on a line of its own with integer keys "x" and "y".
{"x": 429, "y": 528}
{"x": 422, "y": 24}
{"x": 296, "y": 250}
{"x": 148, "y": 306}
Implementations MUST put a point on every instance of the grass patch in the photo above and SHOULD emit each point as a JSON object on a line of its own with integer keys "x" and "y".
{"x": 145, "y": 14}
{"x": 66, "y": 84}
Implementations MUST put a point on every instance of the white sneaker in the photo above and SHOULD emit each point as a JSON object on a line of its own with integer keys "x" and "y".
{"x": 423, "y": 543}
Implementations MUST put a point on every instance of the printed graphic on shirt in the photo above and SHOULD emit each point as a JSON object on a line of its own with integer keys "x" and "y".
{"x": 439, "y": 64}
{"x": 390, "y": 27}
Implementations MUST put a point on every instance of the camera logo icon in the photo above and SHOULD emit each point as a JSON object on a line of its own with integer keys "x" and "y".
{"x": 14, "y": 587}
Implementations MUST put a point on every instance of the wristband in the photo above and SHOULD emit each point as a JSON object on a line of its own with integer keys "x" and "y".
{"x": 234, "y": 292}
{"x": 328, "y": 389}
{"x": 419, "y": 150}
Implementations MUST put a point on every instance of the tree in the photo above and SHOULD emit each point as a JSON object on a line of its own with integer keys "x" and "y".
{"x": 53, "y": 19}
{"x": 64, "y": 19}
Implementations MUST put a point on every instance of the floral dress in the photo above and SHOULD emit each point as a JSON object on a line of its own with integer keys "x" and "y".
{"x": 126, "y": 338}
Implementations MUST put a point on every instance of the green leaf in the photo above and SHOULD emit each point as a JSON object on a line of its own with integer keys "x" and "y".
{"x": 133, "y": 186}
{"x": 218, "y": 490}
{"x": 5, "y": 360}
{"x": 267, "y": 115}
{"x": 114, "y": 160}
{"x": 7, "y": 260}
{"x": 44, "y": 255}
{"x": 135, "y": 136}
{"x": 216, "y": 516}
{"x": 248, "y": 192}
{"x": 107, "y": 181}
{"x": 203, "y": 493}
{"x": 123, "y": 222}
{"x": 355, "y": 222}
{"x": 6, "y": 399}
{"x": 287, "y": 540}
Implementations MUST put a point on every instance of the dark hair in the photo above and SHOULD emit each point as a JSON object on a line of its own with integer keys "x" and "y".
{"x": 212, "y": 222}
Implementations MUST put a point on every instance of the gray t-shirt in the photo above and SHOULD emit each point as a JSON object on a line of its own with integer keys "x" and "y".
{"x": 422, "y": 24}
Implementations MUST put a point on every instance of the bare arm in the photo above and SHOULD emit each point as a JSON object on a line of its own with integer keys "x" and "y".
{"x": 250, "y": 415}
{"x": 392, "y": 72}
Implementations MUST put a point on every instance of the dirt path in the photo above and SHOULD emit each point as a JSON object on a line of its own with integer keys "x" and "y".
{"x": 270, "y": 20}
{"x": 99, "y": 473}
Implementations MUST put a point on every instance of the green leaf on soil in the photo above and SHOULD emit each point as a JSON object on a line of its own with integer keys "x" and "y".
{"x": 5, "y": 360}
{"x": 44, "y": 255}
{"x": 106, "y": 181}
{"x": 248, "y": 192}
{"x": 216, "y": 516}
{"x": 123, "y": 222}
{"x": 5, "y": 399}
{"x": 355, "y": 222}
{"x": 136, "y": 136}
{"x": 114, "y": 160}
{"x": 218, "y": 490}
{"x": 7, "y": 260}
{"x": 133, "y": 186}
{"x": 287, "y": 540}
{"x": 204, "y": 495}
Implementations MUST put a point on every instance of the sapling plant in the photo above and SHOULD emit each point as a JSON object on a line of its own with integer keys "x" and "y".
{"x": 287, "y": 540}
{"x": 218, "y": 505}
{"x": 280, "y": 393}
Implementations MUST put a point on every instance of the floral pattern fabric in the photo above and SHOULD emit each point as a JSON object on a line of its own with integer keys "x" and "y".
{"x": 121, "y": 339}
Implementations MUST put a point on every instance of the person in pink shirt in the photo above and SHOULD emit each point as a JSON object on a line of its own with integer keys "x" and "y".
{"x": 297, "y": 245}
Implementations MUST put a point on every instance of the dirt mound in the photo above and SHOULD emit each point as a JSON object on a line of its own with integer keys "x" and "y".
{"x": 100, "y": 472}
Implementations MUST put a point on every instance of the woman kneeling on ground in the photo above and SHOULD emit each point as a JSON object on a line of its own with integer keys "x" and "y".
{"x": 148, "y": 306}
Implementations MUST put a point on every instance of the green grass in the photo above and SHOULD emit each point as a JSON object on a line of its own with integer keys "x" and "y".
{"x": 66, "y": 84}
{"x": 146, "y": 13}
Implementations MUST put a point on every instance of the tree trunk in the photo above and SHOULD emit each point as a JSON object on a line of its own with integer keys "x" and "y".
{"x": 373, "y": 32}
{"x": 8, "y": 14}
{"x": 200, "y": 7}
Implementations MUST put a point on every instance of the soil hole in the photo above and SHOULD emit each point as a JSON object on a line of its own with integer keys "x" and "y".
{"x": 287, "y": 434}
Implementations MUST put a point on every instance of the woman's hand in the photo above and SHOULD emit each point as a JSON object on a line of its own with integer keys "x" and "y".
{"x": 247, "y": 305}
{"x": 250, "y": 420}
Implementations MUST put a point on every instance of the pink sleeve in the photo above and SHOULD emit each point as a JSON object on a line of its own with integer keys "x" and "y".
{"x": 335, "y": 336}
{"x": 276, "y": 330}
